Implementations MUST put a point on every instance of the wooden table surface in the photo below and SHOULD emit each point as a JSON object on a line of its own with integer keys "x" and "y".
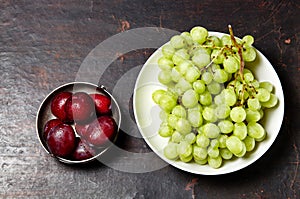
{"x": 44, "y": 43}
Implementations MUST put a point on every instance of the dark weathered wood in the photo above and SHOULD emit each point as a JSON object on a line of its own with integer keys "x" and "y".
{"x": 42, "y": 45}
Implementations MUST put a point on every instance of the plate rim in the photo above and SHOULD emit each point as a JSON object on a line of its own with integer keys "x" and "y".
{"x": 179, "y": 164}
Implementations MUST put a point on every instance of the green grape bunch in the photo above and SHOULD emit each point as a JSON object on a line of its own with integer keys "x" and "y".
{"x": 212, "y": 106}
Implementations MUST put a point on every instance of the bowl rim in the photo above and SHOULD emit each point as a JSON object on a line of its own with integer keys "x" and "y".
{"x": 101, "y": 89}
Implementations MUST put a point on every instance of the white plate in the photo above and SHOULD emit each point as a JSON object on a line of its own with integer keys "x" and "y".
{"x": 147, "y": 115}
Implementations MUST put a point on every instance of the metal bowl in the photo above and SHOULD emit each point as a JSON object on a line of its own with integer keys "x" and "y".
{"x": 44, "y": 114}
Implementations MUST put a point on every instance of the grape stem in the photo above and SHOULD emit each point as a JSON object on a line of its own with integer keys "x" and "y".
{"x": 240, "y": 49}
{"x": 213, "y": 59}
{"x": 208, "y": 46}
{"x": 240, "y": 53}
{"x": 243, "y": 92}
{"x": 208, "y": 65}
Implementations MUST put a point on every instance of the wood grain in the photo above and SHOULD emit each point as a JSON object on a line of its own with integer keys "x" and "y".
{"x": 42, "y": 45}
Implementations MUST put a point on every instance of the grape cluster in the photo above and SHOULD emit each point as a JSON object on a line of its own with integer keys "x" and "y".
{"x": 212, "y": 105}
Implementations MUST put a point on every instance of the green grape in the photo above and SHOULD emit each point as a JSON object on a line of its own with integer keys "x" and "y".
{"x": 235, "y": 50}
{"x": 214, "y": 143}
{"x": 222, "y": 141}
{"x": 246, "y": 70}
{"x": 271, "y": 102}
{"x": 168, "y": 51}
{"x": 172, "y": 120}
{"x": 213, "y": 152}
{"x": 184, "y": 66}
{"x": 198, "y": 108}
{"x": 255, "y": 130}
{"x": 171, "y": 91}
{"x": 248, "y": 39}
{"x": 201, "y": 162}
{"x": 195, "y": 118}
{"x": 190, "y": 138}
{"x": 230, "y": 77}
{"x": 186, "y": 159}
{"x": 167, "y": 102}
{"x": 184, "y": 149}
{"x": 255, "y": 84}
{"x": 219, "y": 99}
{"x": 240, "y": 130}
{"x": 163, "y": 116}
{"x": 170, "y": 151}
{"x": 199, "y": 86}
{"x": 248, "y": 77}
{"x": 213, "y": 41}
{"x": 192, "y": 74}
{"x": 232, "y": 85}
{"x": 241, "y": 92}
{"x": 266, "y": 85}
{"x": 234, "y": 144}
{"x": 201, "y": 60}
{"x": 156, "y": 95}
{"x": 243, "y": 152}
{"x": 165, "y": 77}
{"x": 179, "y": 111}
{"x": 199, "y": 153}
{"x": 175, "y": 75}
{"x": 252, "y": 115}
{"x": 213, "y": 67}
{"x": 220, "y": 76}
{"x": 209, "y": 114}
{"x": 217, "y": 56}
{"x": 165, "y": 64}
{"x": 249, "y": 143}
{"x": 180, "y": 56}
{"x": 199, "y": 50}
{"x": 214, "y": 162}
{"x": 165, "y": 130}
{"x": 183, "y": 126}
{"x": 190, "y": 98}
{"x": 238, "y": 114}
{"x": 231, "y": 64}
{"x": 261, "y": 113}
{"x": 211, "y": 130}
{"x": 262, "y": 138}
{"x": 226, "y": 40}
{"x": 176, "y": 137}
{"x": 249, "y": 54}
{"x": 207, "y": 77}
{"x": 229, "y": 97}
{"x": 222, "y": 111}
{"x": 182, "y": 86}
{"x": 187, "y": 37}
{"x": 205, "y": 98}
{"x": 202, "y": 140}
{"x": 225, "y": 126}
{"x": 263, "y": 95}
{"x": 200, "y": 130}
{"x": 199, "y": 34}
{"x": 226, "y": 154}
{"x": 253, "y": 104}
{"x": 178, "y": 42}
{"x": 214, "y": 88}
{"x": 195, "y": 98}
